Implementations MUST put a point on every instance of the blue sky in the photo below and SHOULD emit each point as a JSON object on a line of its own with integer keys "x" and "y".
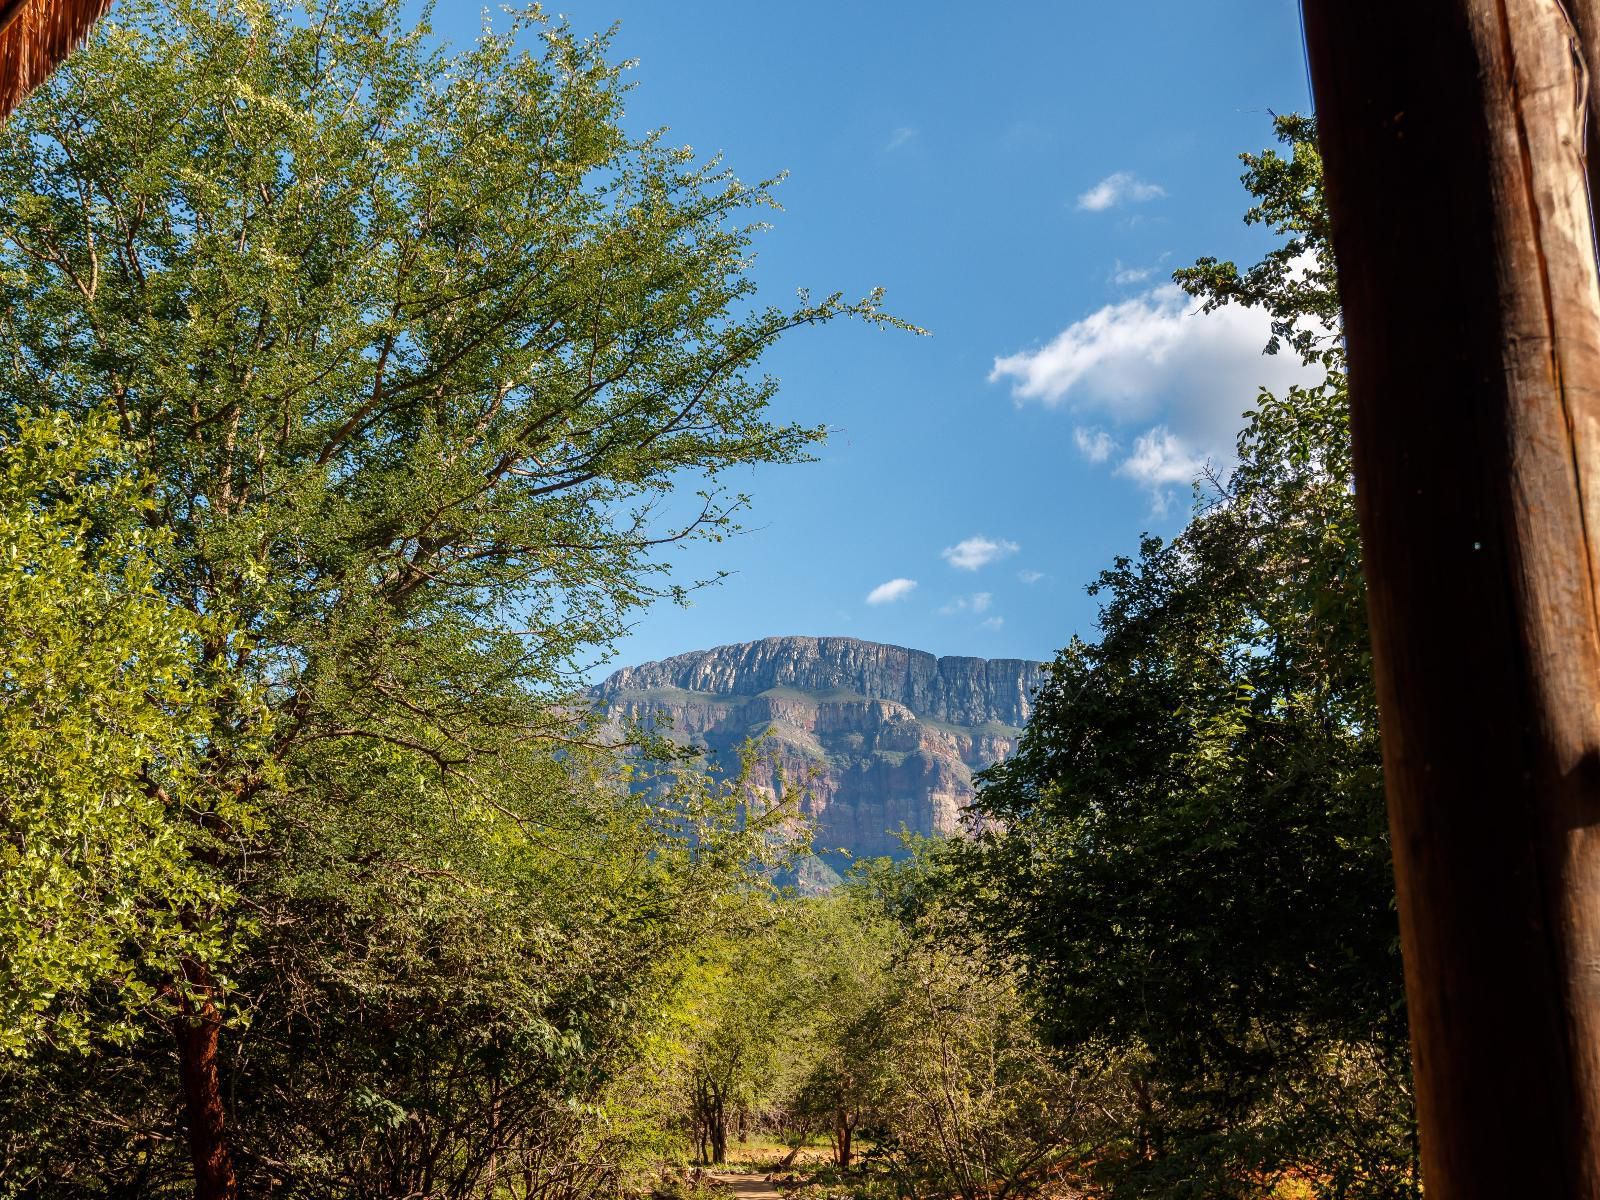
{"x": 1022, "y": 178}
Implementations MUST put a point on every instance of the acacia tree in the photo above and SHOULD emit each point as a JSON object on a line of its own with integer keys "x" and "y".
{"x": 408, "y": 345}
{"x": 740, "y": 1022}
{"x": 846, "y": 955}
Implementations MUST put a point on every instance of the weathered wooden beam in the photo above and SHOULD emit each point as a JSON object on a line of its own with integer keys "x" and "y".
{"x": 1453, "y": 136}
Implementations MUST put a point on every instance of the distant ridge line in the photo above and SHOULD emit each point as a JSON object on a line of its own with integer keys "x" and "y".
{"x": 962, "y": 689}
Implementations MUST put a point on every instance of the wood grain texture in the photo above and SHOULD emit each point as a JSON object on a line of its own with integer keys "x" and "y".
{"x": 1585, "y": 15}
{"x": 1453, "y": 135}
{"x": 35, "y": 35}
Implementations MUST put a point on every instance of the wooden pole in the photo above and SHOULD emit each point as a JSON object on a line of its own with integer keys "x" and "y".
{"x": 1453, "y": 137}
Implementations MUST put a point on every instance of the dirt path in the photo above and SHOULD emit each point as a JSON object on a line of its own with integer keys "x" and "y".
{"x": 748, "y": 1187}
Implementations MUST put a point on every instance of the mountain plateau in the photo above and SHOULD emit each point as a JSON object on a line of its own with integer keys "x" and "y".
{"x": 878, "y": 738}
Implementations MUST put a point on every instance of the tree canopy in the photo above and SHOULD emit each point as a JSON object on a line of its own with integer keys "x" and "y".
{"x": 108, "y": 704}
{"x": 399, "y": 352}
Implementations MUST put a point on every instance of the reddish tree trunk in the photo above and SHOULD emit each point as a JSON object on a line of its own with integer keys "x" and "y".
{"x": 197, "y": 1028}
{"x": 1453, "y": 136}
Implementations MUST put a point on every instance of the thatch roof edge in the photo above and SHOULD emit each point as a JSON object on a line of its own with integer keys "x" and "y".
{"x": 35, "y": 36}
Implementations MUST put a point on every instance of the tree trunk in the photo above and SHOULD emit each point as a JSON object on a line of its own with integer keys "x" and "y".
{"x": 718, "y": 1125}
{"x": 841, "y": 1139}
{"x": 719, "y": 1143}
{"x": 1141, "y": 1093}
{"x": 1453, "y": 138}
{"x": 492, "y": 1167}
{"x": 196, "y": 1029}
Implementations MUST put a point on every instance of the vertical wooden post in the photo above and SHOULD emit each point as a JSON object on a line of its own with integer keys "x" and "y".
{"x": 1453, "y": 138}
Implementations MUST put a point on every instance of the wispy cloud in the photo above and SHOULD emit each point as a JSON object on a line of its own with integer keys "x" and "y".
{"x": 978, "y": 602}
{"x": 1124, "y": 275}
{"x": 1030, "y": 577}
{"x": 994, "y": 622}
{"x": 890, "y": 591}
{"x": 975, "y": 552}
{"x": 1119, "y": 188}
{"x": 900, "y": 137}
{"x": 1094, "y": 444}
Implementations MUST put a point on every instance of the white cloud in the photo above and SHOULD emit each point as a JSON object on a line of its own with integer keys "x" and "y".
{"x": 1030, "y": 577}
{"x": 889, "y": 592}
{"x": 978, "y": 602}
{"x": 977, "y": 552}
{"x": 1158, "y": 364}
{"x": 1126, "y": 275}
{"x": 900, "y": 137}
{"x": 994, "y": 622}
{"x": 1094, "y": 444}
{"x": 1116, "y": 188}
{"x": 1159, "y": 460}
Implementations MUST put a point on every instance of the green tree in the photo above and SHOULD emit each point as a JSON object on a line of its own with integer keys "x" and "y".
{"x": 1188, "y": 853}
{"x": 738, "y": 1019}
{"x": 774, "y": 1023}
{"x": 409, "y": 348}
{"x": 109, "y": 704}
{"x": 969, "y": 1098}
{"x": 848, "y": 950}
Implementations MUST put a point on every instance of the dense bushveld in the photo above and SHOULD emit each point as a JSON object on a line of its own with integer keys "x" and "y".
{"x": 348, "y": 381}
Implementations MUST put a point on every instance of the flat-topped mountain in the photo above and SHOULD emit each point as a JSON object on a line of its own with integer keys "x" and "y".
{"x": 879, "y": 737}
{"x": 964, "y": 691}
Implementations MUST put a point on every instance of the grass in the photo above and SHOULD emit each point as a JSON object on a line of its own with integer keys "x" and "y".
{"x": 762, "y": 1154}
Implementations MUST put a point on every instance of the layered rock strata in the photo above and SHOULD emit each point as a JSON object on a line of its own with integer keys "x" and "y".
{"x": 876, "y": 738}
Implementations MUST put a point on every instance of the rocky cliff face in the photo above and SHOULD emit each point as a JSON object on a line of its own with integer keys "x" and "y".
{"x": 877, "y": 737}
{"x": 964, "y": 691}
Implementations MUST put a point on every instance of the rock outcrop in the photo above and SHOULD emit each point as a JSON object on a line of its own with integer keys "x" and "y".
{"x": 876, "y": 737}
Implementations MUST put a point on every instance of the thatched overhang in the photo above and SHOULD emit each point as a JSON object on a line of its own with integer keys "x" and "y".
{"x": 35, "y": 35}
